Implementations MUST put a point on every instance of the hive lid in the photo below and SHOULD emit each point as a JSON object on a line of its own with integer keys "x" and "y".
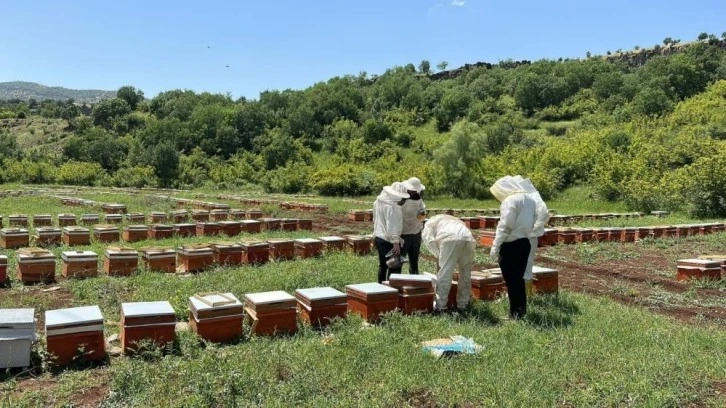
{"x": 224, "y": 245}
{"x": 17, "y": 216}
{"x": 17, "y": 319}
{"x": 3, "y": 259}
{"x": 41, "y": 216}
{"x": 266, "y": 298}
{"x": 74, "y": 316}
{"x": 161, "y": 227}
{"x": 137, "y": 227}
{"x": 371, "y": 288}
{"x": 184, "y": 225}
{"x": 212, "y": 301}
{"x": 703, "y": 263}
{"x": 308, "y": 241}
{"x": 320, "y": 293}
{"x": 66, "y": 215}
{"x": 398, "y": 280}
{"x": 89, "y": 216}
{"x": 13, "y": 231}
{"x": 280, "y": 241}
{"x": 75, "y": 228}
{"x": 120, "y": 250}
{"x": 254, "y": 244}
{"x": 158, "y": 213}
{"x": 230, "y": 223}
{"x": 332, "y": 238}
{"x": 157, "y": 250}
{"x": 537, "y": 270}
{"x": 47, "y": 230}
{"x": 105, "y": 228}
{"x": 249, "y": 222}
{"x": 141, "y": 309}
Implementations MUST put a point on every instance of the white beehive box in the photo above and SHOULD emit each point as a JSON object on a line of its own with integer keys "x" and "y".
{"x": 17, "y": 333}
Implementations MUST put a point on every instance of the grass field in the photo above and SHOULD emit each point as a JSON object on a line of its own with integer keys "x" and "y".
{"x": 581, "y": 348}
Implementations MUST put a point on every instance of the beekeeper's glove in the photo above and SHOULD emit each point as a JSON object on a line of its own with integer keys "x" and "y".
{"x": 494, "y": 255}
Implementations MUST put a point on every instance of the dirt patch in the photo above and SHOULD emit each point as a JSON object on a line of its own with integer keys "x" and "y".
{"x": 42, "y": 298}
{"x": 48, "y": 388}
{"x": 92, "y": 397}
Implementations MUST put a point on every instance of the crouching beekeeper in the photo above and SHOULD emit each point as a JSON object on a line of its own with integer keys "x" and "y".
{"x": 451, "y": 242}
{"x": 511, "y": 247}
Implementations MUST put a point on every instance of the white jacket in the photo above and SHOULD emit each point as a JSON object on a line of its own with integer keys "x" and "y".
{"x": 387, "y": 218}
{"x": 516, "y": 213}
{"x": 442, "y": 228}
{"x": 411, "y": 224}
{"x": 542, "y": 215}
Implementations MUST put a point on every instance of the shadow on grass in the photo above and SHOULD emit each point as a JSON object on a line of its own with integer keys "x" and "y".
{"x": 481, "y": 313}
{"x": 551, "y": 311}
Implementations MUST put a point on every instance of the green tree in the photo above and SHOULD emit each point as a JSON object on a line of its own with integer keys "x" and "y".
{"x": 424, "y": 67}
{"x": 105, "y": 112}
{"x": 442, "y": 65}
{"x": 166, "y": 164}
{"x": 460, "y": 159}
{"x": 702, "y": 36}
{"x": 652, "y": 101}
{"x": 131, "y": 95}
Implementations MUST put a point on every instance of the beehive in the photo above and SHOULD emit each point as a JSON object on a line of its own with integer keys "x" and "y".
{"x": 308, "y": 247}
{"x": 136, "y": 218}
{"x": 157, "y": 217}
{"x": 160, "y": 231}
{"x": 120, "y": 261}
{"x": 584, "y": 235}
{"x": 158, "y": 259}
{"x": 472, "y": 222}
{"x": 486, "y": 238}
{"x": 17, "y": 334}
{"x": 106, "y": 233}
{"x": 254, "y": 214}
{"x": 318, "y": 306}
{"x": 216, "y": 317}
{"x": 628, "y": 234}
{"x": 698, "y": 269}
{"x": 488, "y": 222}
{"x": 75, "y": 235}
{"x": 230, "y": 228}
{"x": 545, "y": 280}
{"x": 270, "y": 224}
{"x": 219, "y": 215}
{"x": 200, "y": 215}
{"x": 281, "y": 249}
{"x": 35, "y": 265}
{"x": 135, "y": 233}
{"x": 195, "y": 258}
{"x": 357, "y": 215}
{"x": 488, "y": 284}
{"x": 305, "y": 224}
{"x": 255, "y": 252}
{"x": 66, "y": 220}
{"x": 271, "y": 312}
{"x": 48, "y": 236}
{"x": 3, "y": 270}
{"x": 333, "y": 243}
{"x": 68, "y": 331}
{"x": 251, "y": 226}
{"x": 227, "y": 253}
{"x": 360, "y": 245}
{"x": 17, "y": 220}
{"x": 79, "y": 264}
{"x": 371, "y": 300}
{"x": 12, "y": 238}
{"x": 114, "y": 208}
{"x": 113, "y": 218}
{"x": 179, "y": 216}
{"x": 288, "y": 224}
{"x": 367, "y": 213}
{"x": 185, "y": 230}
{"x": 42, "y": 220}
{"x": 142, "y": 322}
{"x": 415, "y": 292}
{"x": 566, "y": 236}
{"x": 89, "y": 219}
{"x": 550, "y": 237}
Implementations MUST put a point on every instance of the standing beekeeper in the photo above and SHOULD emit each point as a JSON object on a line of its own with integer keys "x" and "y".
{"x": 451, "y": 242}
{"x": 542, "y": 217}
{"x": 414, "y": 211}
{"x": 387, "y": 225}
{"x": 511, "y": 245}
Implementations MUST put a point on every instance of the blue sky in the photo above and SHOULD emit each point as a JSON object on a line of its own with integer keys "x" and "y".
{"x": 278, "y": 44}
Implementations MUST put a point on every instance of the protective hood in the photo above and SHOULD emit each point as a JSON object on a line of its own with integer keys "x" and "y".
{"x": 393, "y": 193}
{"x": 504, "y": 187}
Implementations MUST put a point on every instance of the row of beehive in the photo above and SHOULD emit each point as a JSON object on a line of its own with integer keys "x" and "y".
{"x": 180, "y": 216}
{"x": 219, "y": 317}
{"x": 285, "y": 205}
{"x": 490, "y": 221}
{"x": 11, "y": 238}
{"x": 39, "y": 265}
{"x": 626, "y": 234}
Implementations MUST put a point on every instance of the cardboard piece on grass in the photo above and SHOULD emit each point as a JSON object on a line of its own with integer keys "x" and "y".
{"x": 451, "y": 346}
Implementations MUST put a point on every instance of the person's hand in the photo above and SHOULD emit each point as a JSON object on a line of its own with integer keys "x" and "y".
{"x": 494, "y": 255}
{"x": 397, "y": 248}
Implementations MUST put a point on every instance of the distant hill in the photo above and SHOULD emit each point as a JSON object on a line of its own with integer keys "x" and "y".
{"x": 30, "y": 90}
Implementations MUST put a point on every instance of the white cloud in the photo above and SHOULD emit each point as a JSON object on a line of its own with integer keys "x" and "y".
{"x": 457, "y": 3}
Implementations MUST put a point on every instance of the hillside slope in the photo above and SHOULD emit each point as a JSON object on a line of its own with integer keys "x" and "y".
{"x": 30, "y": 90}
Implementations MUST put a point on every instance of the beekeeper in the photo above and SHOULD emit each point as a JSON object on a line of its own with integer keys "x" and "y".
{"x": 451, "y": 242}
{"x": 542, "y": 217}
{"x": 414, "y": 211}
{"x": 511, "y": 245}
{"x": 387, "y": 225}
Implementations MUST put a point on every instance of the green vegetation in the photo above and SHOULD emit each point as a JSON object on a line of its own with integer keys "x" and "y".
{"x": 648, "y": 135}
{"x": 29, "y": 90}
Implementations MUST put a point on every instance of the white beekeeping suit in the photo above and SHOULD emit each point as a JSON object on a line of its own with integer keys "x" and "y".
{"x": 451, "y": 242}
{"x": 516, "y": 213}
{"x": 542, "y": 216}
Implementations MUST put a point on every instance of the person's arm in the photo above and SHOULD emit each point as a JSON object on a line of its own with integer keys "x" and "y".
{"x": 394, "y": 226}
{"x": 428, "y": 236}
{"x": 542, "y": 217}
{"x": 507, "y": 219}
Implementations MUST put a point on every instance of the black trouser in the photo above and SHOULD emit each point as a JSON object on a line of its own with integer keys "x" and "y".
{"x": 383, "y": 248}
{"x": 513, "y": 263}
{"x": 411, "y": 249}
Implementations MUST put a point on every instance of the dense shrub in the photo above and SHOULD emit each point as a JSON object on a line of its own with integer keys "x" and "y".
{"x": 344, "y": 180}
{"x": 135, "y": 177}
{"x": 80, "y": 174}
